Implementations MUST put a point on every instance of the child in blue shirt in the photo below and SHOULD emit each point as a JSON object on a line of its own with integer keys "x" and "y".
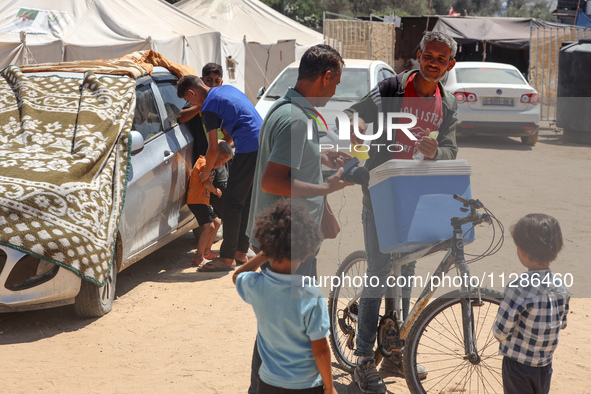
{"x": 292, "y": 318}
{"x": 534, "y": 308}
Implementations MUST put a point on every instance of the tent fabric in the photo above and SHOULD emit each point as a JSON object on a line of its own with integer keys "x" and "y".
{"x": 36, "y": 31}
{"x": 249, "y": 20}
{"x": 583, "y": 20}
{"x": 505, "y": 32}
{"x": 260, "y": 41}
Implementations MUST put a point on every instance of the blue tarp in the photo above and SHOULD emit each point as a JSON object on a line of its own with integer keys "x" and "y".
{"x": 583, "y": 19}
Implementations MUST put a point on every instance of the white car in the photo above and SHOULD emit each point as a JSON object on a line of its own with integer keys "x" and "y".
{"x": 155, "y": 211}
{"x": 358, "y": 78}
{"x": 494, "y": 99}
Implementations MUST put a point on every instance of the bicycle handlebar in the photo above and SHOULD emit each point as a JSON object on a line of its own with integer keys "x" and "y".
{"x": 469, "y": 203}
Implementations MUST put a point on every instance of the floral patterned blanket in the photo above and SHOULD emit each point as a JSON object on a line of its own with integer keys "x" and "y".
{"x": 63, "y": 166}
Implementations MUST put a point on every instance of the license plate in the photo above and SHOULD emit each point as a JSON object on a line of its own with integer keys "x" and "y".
{"x": 506, "y": 101}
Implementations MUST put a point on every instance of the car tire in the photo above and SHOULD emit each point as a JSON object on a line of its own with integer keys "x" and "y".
{"x": 530, "y": 139}
{"x": 94, "y": 301}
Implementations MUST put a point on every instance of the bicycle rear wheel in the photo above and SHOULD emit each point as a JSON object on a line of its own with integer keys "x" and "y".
{"x": 436, "y": 341}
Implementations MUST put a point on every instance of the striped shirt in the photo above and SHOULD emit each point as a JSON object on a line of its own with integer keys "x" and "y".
{"x": 530, "y": 317}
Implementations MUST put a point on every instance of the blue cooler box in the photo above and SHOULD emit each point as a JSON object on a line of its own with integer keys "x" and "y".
{"x": 413, "y": 202}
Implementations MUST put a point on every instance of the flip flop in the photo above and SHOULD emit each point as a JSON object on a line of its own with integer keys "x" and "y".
{"x": 239, "y": 263}
{"x": 211, "y": 255}
{"x": 197, "y": 260}
{"x": 215, "y": 266}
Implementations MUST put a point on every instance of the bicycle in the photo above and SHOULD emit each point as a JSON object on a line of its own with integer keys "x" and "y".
{"x": 451, "y": 336}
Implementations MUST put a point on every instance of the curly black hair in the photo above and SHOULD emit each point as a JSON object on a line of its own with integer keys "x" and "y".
{"x": 539, "y": 236}
{"x": 287, "y": 231}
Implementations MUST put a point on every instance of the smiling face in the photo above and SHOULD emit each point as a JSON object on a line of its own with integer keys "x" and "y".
{"x": 435, "y": 61}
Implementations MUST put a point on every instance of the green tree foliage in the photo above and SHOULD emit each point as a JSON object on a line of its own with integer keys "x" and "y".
{"x": 306, "y": 12}
{"x": 309, "y": 12}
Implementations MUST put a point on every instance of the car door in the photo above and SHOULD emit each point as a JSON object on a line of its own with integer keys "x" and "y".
{"x": 179, "y": 136}
{"x": 146, "y": 217}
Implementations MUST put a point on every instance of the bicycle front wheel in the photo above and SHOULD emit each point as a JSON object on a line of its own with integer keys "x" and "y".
{"x": 436, "y": 341}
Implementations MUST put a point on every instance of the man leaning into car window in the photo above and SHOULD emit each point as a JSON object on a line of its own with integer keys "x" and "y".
{"x": 420, "y": 93}
{"x": 212, "y": 75}
{"x": 228, "y": 109}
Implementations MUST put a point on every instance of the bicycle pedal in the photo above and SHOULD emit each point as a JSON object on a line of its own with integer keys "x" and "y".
{"x": 351, "y": 341}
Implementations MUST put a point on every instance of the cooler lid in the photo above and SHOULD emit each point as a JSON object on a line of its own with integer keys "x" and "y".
{"x": 395, "y": 167}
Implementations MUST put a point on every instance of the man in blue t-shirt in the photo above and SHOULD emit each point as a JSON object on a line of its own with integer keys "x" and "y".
{"x": 227, "y": 108}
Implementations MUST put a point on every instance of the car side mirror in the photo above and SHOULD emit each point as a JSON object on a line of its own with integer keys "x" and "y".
{"x": 137, "y": 141}
{"x": 261, "y": 92}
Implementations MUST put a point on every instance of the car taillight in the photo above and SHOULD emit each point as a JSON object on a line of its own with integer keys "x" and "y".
{"x": 465, "y": 96}
{"x": 531, "y": 98}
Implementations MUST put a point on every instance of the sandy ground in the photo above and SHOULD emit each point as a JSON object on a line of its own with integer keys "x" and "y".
{"x": 174, "y": 330}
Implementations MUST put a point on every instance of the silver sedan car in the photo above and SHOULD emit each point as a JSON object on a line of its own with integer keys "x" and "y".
{"x": 155, "y": 211}
{"x": 494, "y": 99}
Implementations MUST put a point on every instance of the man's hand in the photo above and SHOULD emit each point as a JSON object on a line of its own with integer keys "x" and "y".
{"x": 218, "y": 192}
{"x": 334, "y": 159}
{"x": 362, "y": 130}
{"x": 335, "y": 183}
{"x": 427, "y": 146}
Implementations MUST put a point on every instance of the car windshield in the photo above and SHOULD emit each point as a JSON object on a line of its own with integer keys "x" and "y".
{"x": 489, "y": 75}
{"x": 354, "y": 84}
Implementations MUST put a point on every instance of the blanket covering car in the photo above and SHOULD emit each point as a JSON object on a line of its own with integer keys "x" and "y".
{"x": 64, "y": 155}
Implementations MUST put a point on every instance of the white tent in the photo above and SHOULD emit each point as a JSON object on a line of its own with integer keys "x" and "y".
{"x": 270, "y": 40}
{"x": 39, "y": 31}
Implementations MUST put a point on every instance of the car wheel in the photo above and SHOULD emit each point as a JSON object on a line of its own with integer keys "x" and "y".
{"x": 530, "y": 139}
{"x": 95, "y": 301}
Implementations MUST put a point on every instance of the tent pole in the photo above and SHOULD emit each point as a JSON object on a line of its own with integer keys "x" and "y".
{"x": 429, "y": 14}
{"x": 577, "y": 14}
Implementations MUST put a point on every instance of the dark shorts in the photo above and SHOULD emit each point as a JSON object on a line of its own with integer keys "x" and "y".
{"x": 522, "y": 379}
{"x": 265, "y": 388}
{"x": 203, "y": 213}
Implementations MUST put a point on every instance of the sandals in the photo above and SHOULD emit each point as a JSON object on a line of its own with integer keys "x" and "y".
{"x": 197, "y": 260}
{"x": 211, "y": 256}
{"x": 216, "y": 265}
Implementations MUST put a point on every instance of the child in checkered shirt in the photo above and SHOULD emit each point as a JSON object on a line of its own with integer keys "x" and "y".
{"x": 534, "y": 308}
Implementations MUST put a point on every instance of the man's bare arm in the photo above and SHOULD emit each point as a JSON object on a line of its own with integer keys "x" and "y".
{"x": 188, "y": 113}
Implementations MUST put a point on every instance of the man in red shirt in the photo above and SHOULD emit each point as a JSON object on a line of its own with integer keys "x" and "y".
{"x": 416, "y": 92}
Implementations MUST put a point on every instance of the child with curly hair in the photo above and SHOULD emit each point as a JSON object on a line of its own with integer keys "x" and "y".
{"x": 292, "y": 318}
{"x": 534, "y": 308}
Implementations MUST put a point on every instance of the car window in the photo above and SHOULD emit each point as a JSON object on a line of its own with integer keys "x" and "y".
{"x": 172, "y": 102}
{"x": 489, "y": 75}
{"x": 384, "y": 73}
{"x": 286, "y": 80}
{"x": 146, "y": 119}
{"x": 354, "y": 84}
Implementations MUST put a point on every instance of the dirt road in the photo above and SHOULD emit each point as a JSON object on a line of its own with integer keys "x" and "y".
{"x": 174, "y": 330}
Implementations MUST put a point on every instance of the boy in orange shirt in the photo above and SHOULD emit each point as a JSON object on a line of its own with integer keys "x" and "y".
{"x": 200, "y": 187}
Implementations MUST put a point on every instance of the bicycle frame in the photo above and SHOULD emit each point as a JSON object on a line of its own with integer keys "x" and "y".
{"x": 454, "y": 256}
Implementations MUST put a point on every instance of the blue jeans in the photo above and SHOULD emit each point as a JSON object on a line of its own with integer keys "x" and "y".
{"x": 378, "y": 265}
